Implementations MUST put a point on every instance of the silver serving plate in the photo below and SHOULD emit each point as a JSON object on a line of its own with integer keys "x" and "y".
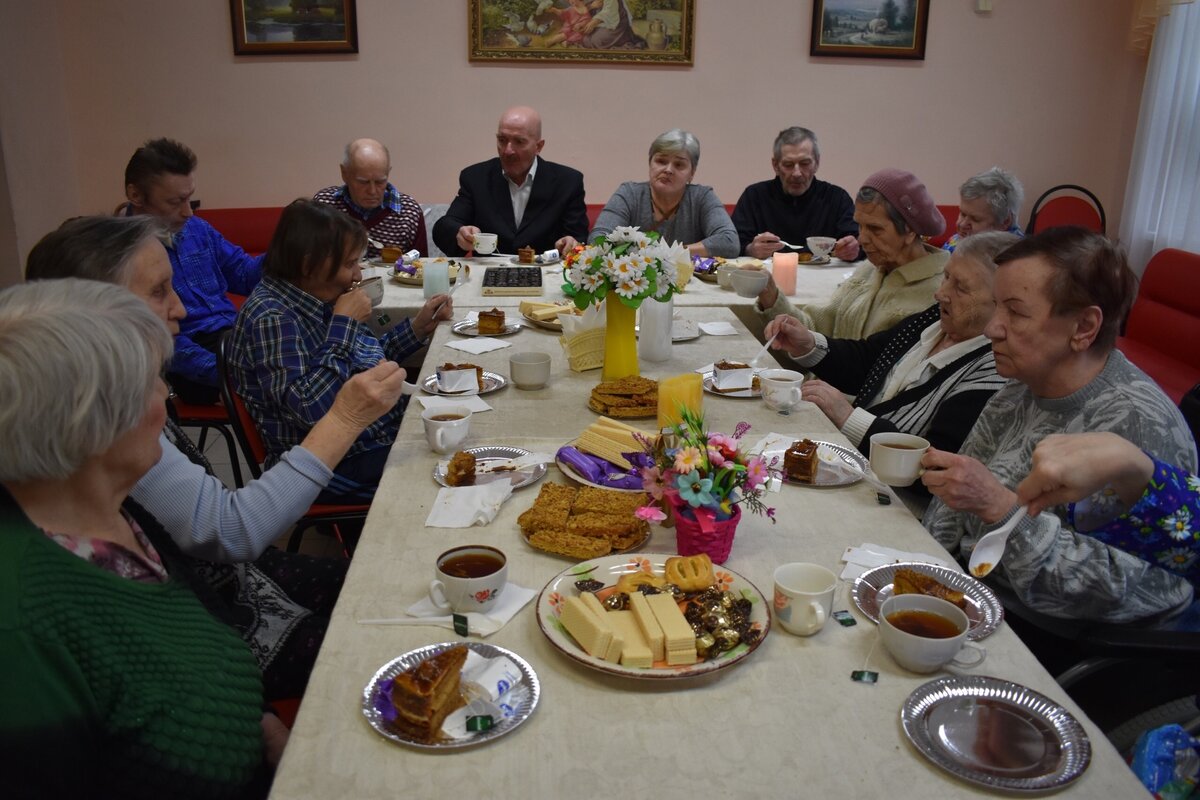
{"x": 469, "y": 327}
{"x": 491, "y": 382}
{"x": 826, "y": 475}
{"x": 984, "y": 612}
{"x": 996, "y": 734}
{"x": 523, "y": 698}
{"x": 490, "y": 455}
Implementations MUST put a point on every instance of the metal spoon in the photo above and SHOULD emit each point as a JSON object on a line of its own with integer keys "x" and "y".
{"x": 990, "y": 549}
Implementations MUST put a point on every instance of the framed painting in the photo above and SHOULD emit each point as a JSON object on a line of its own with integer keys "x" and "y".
{"x": 609, "y": 31}
{"x": 286, "y": 27}
{"x": 881, "y": 29}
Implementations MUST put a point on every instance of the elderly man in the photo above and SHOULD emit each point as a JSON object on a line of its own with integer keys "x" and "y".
{"x": 524, "y": 199}
{"x": 392, "y": 219}
{"x": 795, "y": 205}
{"x": 989, "y": 201}
{"x": 159, "y": 182}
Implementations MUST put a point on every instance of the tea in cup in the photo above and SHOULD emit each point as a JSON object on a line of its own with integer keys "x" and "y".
{"x": 781, "y": 389}
{"x": 468, "y": 578}
{"x": 529, "y": 370}
{"x": 896, "y": 457}
{"x": 925, "y": 633}
{"x": 803, "y": 597}
{"x": 485, "y": 243}
{"x": 446, "y": 427}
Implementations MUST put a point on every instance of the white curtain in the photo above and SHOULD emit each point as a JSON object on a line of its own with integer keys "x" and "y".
{"x": 1162, "y": 195}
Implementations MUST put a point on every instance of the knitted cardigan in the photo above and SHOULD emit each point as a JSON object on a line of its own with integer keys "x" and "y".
{"x": 112, "y": 687}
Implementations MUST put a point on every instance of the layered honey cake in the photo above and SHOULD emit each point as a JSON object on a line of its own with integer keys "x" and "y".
{"x": 526, "y": 255}
{"x": 491, "y": 322}
{"x": 459, "y": 377}
{"x": 731, "y": 376}
{"x": 426, "y": 693}
{"x": 909, "y": 581}
{"x": 800, "y": 461}
{"x": 461, "y": 469}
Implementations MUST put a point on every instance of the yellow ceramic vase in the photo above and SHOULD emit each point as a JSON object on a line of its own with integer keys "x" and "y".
{"x": 620, "y": 341}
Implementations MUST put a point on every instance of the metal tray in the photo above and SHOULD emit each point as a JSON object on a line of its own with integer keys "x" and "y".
{"x": 983, "y": 610}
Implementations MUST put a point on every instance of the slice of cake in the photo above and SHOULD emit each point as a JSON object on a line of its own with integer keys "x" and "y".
{"x": 426, "y": 693}
{"x": 491, "y": 322}
{"x": 800, "y": 461}
{"x": 526, "y": 255}
{"x": 461, "y": 469}
{"x": 459, "y": 378}
{"x": 732, "y": 376}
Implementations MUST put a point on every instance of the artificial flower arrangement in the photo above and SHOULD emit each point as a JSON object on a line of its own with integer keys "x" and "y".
{"x": 705, "y": 472}
{"x": 628, "y": 262}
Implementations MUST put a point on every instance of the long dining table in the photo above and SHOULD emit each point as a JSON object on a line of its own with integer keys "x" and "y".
{"x": 785, "y": 721}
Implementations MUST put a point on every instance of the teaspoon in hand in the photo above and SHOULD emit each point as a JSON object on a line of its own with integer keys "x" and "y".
{"x": 990, "y": 548}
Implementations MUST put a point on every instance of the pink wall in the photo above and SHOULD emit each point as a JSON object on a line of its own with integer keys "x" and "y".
{"x": 1046, "y": 89}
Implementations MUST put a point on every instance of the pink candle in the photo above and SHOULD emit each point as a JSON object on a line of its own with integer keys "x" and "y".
{"x": 784, "y": 271}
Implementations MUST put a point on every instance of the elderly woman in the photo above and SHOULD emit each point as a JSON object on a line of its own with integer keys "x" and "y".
{"x": 1060, "y": 298}
{"x": 302, "y": 335}
{"x": 670, "y": 203}
{"x": 930, "y": 375}
{"x": 989, "y": 201}
{"x": 893, "y": 211}
{"x": 282, "y": 600}
{"x": 118, "y": 679}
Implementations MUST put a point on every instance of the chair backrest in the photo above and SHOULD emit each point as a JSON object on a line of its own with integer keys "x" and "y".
{"x": 240, "y": 420}
{"x": 249, "y": 228}
{"x": 1053, "y": 212}
{"x": 1166, "y": 313}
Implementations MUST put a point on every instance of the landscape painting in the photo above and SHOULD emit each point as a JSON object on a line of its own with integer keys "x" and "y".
{"x": 613, "y": 31}
{"x": 284, "y": 27}
{"x": 869, "y": 28}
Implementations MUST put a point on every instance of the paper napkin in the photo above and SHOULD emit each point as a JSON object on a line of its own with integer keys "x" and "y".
{"x": 466, "y": 506}
{"x": 718, "y": 328}
{"x": 867, "y": 556}
{"x": 477, "y": 346}
{"x": 424, "y": 612}
{"x": 471, "y": 401}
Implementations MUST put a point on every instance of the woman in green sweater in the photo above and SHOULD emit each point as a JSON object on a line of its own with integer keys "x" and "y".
{"x": 116, "y": 679}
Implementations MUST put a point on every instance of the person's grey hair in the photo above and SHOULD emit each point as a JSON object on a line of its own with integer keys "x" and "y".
{"x": 982, "y": 248}
{"x": 96, "y": 248}
{"x": 348, "y": 153}
{"x": 793, "y": 136}
{"x": 78, "y": 363}
{"x": 870, "y": 197}
{"x": 1003, "y": 192}
{"x": 676, "y": 141}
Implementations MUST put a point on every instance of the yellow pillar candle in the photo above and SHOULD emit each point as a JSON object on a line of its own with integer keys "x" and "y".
{"x": 685, "y": 390}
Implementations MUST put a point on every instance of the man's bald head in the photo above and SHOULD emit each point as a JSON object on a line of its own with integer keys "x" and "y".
{"x": 365, "y": 169}
{"x": 518, "y": 141}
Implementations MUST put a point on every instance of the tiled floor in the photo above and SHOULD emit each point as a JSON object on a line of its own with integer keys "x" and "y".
{"x": 215, "y": 449}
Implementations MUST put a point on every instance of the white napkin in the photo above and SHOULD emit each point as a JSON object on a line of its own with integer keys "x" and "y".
{"x": 718, "y": 328}
{"x": 590, "y": 318}
{"x": 477, "y": 346}
{"x": 512, "y": 464}
{"x": 465, "y": 506}
{"x": 424, "y": 612}
{"x": 471, "y": 401}
{"x": 487, "y": 683}
{"x": 867, "y": 556}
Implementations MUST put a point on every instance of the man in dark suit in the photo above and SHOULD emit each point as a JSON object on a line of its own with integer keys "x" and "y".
{"x": 524, "y": 199}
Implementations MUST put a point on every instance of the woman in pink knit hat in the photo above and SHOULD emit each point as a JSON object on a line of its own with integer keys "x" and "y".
{"x": 894, "y": 212}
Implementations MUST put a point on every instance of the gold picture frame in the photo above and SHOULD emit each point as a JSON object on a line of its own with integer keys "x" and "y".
{"x": 657, "y": 32}
{"x": 283, "y": 27}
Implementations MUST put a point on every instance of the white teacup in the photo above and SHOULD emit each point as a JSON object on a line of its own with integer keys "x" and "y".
{"x": 821, "y": 246}
{"x": 446, "y": 427}
{"x": 803, "y": 597}
{"x": 373, "y": 287}
{"x": 468, "y": 579}
{"x": 485, "y": 243}
{"x": 896, "y": 457}
{"x": 529, "y": 370}
{"x": 914, "y": 627}
{"x": 781, "y": 389}
{"x": 723, "y": 273}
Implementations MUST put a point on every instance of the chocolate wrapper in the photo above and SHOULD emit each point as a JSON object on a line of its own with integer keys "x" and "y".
{"x": 599, "y": 471}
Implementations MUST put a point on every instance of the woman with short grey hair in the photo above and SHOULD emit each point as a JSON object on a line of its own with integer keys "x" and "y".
{"x": 108, "y": 639}
{"x": 989, "y": 201}
{"x": 669, "y": 203}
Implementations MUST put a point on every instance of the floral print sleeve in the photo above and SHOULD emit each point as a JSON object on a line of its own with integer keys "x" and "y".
{"x": 1162, "y": 527}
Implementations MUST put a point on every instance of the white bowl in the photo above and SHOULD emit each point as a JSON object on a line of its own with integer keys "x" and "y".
{"x": 749, "y": 282}
{"x": 820, "y": 246}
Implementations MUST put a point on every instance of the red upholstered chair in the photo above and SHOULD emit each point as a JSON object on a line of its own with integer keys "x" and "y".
{"x": 249, "y": 228}
{"x": 256, "y": 454}
{"x": 1163, "y": 328}
{"x": 951, "y": 215}
{"x": 1065, "y": 208}
{"x": 208, "y": 417}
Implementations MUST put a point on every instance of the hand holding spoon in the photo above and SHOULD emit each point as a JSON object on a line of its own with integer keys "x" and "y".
{"x": 990, "y": 548}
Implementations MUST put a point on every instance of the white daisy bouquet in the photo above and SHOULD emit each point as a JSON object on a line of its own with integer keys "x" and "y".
{"x": 632, "y": 264}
